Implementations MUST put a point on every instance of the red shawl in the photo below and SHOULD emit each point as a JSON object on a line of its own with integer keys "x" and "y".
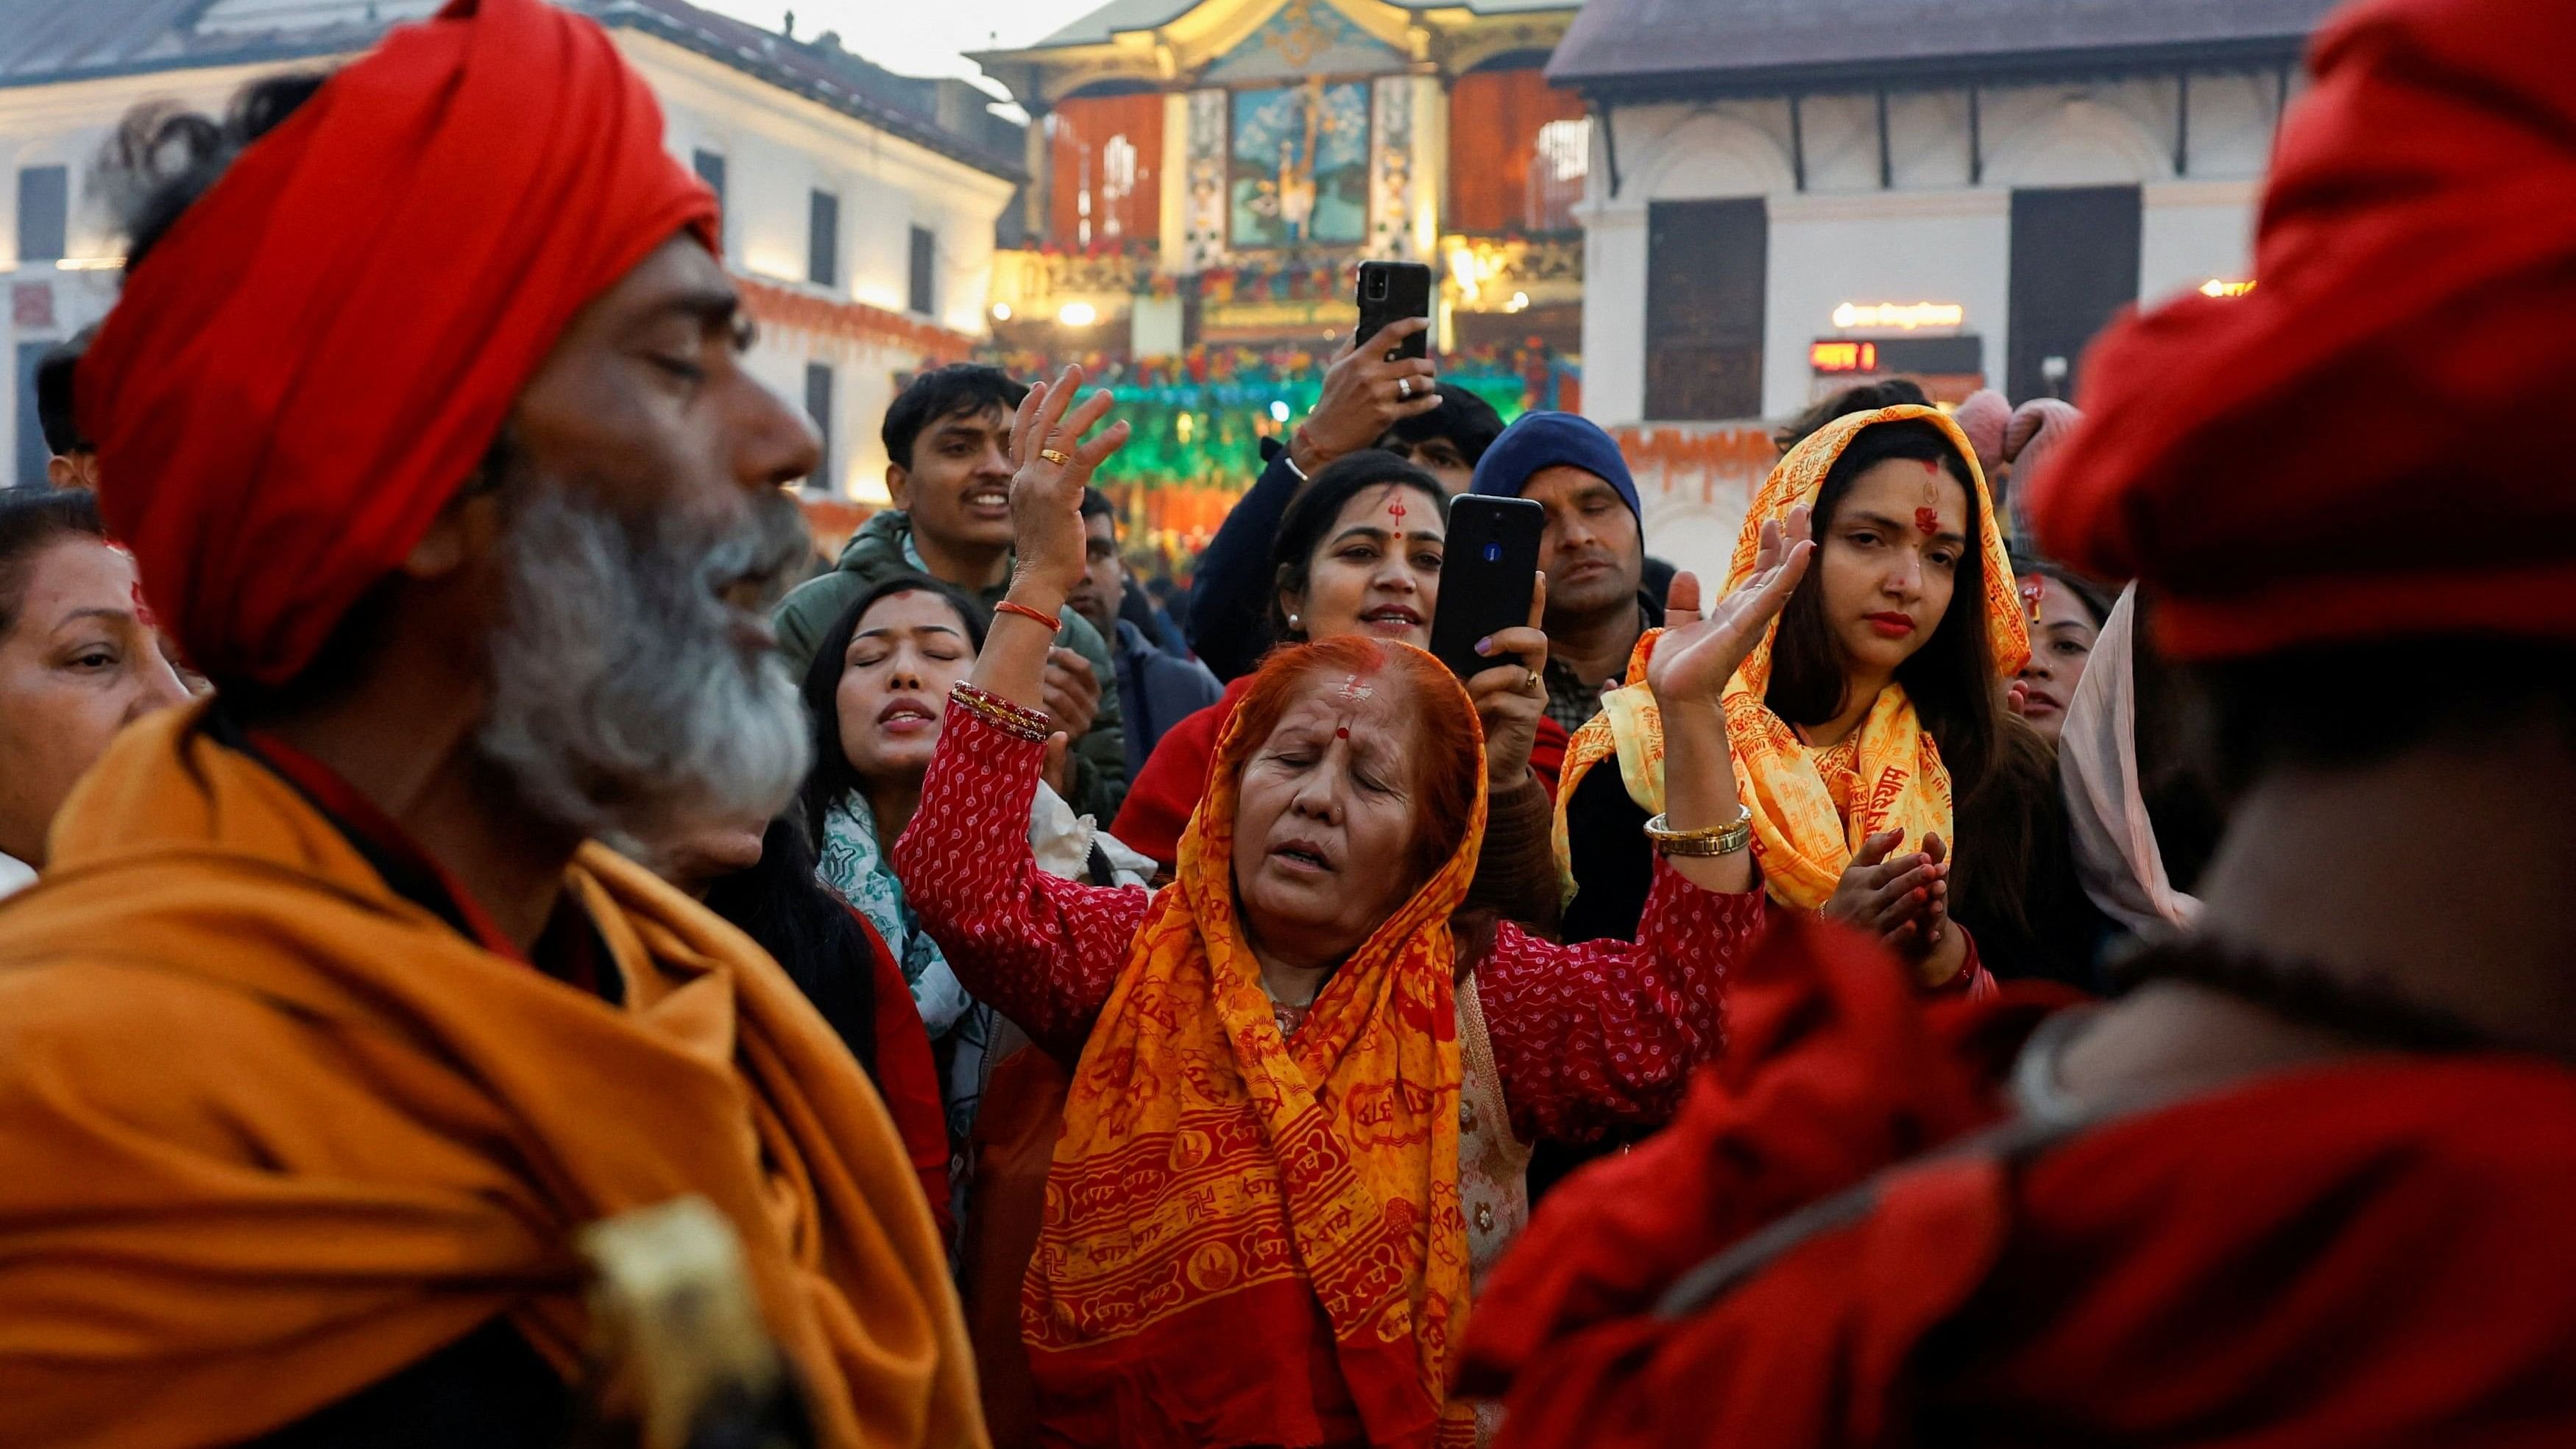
{"x": 2371, "y": 1252}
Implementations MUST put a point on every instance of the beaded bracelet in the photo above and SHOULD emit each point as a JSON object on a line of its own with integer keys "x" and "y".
{"x": 1015, "y": 720}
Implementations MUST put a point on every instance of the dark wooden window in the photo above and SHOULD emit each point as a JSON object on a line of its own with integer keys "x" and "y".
{"x": 710, "y": 167}
{"x": 818, "y": 406}
{"x": 32, "y": 452}
{"x": 44, "y": 212}
{"x": 823, "y": 240}
{"x": 924, "y": 293}
{"x": 1707, "y": 269}
{"x": 2074, "y": 264}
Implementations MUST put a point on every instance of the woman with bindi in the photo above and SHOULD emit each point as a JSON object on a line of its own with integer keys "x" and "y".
{"x": 1294, "y": 1075}
{"x": 1358, "y": 555}
{"x": 1857, "y": 716}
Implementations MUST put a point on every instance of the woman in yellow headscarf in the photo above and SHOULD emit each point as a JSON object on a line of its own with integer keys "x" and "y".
{"x": 1293, "y": 1133}
{"x": 1857, "y": 716}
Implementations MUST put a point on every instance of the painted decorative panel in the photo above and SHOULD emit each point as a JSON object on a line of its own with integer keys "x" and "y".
{"x": 1298, "y": 165}
{"x": 1393, "y": 235}
{"x": 1203, "y": 203}
{"x": 1306, "y": 38}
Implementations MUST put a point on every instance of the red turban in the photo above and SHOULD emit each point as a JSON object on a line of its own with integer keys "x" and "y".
{"x": 312, "y": 361}
{"x": 2369, "y": 443}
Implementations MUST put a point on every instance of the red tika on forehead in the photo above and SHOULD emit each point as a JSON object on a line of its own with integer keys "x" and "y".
{"x": 2033, "y": 590}
{"x": 1928, "y": 520}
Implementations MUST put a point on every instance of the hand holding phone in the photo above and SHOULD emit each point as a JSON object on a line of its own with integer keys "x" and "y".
{"x": 1488, "y": 577}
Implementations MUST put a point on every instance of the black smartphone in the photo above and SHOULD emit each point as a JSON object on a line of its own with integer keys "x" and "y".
{"x": 1488, "y": 575}
{"x": 1391, "y": 292}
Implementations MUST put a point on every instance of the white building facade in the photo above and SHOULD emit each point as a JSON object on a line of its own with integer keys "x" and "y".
{"x": 859, "y": 207}
{"x": 1784, "y": 202}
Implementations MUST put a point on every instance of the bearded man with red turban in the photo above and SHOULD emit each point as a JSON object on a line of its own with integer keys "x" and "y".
{"x": 424, "y": 411}
{"x": 2307, "y": 1183}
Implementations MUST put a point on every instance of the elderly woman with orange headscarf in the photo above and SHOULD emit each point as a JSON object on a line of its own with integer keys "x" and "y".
{"x": 1297, "y": 1088}
{"x": 1856, "y": 720}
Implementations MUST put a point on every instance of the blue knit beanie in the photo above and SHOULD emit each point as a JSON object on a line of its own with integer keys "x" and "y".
{"x": 1552, "y": 440}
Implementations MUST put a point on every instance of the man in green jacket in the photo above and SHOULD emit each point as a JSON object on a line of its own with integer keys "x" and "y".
{"x": 948, "y": 439}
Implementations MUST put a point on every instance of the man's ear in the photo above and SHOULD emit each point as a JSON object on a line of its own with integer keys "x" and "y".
{"x": 899, "y": 485}
{"x": 465, "y": 530}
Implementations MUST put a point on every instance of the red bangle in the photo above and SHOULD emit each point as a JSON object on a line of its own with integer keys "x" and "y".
{"x": 1054, "y": 624}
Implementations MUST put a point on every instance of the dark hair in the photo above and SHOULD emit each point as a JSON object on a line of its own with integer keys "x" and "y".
{"x": 807, "y": 930}
{"x": 162, "y": 157}
{"x": 1951, "y": 679}
{"x": 2185, "y": 809}
{"x": 2016, "y": 819}
{"x": 54, "y": 396}
{"x": 1462, "y": 417}
{"x": 31, "y": 521}
{"x": 1311, "y": 514}
{"x": 2095, "y": 599}
{"x": 833, "y": 776}
{"x": 1867, "y": 397}
{"x": 960, "y": 389}
{"x": 1096, "y": 504}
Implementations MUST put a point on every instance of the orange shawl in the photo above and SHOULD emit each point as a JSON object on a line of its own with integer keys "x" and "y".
{"x": 269, "y": 1132}
{"x": 1216, "y": 1186}
{"x": 1800, "y": 840}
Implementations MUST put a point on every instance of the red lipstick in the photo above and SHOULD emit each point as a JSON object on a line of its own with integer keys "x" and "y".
{"x": 1890, "y": 625}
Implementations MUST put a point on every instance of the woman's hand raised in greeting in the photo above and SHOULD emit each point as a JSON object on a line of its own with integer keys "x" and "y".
{"x": 1054, "y": 462}
{"x": 1510, "y": 699}
{"x": 1697, "y": 656}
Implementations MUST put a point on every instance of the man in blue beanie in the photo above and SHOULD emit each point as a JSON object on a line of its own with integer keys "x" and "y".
{"x": 1602, "y": 590}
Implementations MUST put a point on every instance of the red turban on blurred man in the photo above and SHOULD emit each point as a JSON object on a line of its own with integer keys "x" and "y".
{"x": 2355, "y": 448}
{"x": 279, "y": 416}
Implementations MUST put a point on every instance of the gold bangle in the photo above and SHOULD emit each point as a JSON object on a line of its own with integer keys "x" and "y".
{"x": 1012, "y": 719}
{"x": 1715, "y": 840}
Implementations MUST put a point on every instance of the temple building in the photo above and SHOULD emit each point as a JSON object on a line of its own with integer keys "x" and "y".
{"x": 1788, "y": 199}
{"x": 859, "y": 205}
{"x": 1207, "y": 173}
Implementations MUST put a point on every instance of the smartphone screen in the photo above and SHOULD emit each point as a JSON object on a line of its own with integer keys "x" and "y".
{"x": 1488, "y": 575}
{"x": 1391, "y": 292}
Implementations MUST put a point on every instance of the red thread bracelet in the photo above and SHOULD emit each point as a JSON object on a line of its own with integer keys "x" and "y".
{"x": 1054, "y": 624}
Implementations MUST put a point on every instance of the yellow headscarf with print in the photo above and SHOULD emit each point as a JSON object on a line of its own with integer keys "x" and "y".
{"x": 1801, "y": 841}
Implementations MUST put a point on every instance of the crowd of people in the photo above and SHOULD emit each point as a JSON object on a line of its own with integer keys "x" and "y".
{"x": 2059, "y": 940}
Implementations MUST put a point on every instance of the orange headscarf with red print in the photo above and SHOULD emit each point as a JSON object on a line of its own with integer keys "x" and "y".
{"x": 1215, "y": 1184}
{"x": 1801, "y": 839}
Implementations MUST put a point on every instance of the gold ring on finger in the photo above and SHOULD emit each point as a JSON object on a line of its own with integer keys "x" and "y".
{"x": 1534, "y": 684}
{"x": 1054, "y": 455}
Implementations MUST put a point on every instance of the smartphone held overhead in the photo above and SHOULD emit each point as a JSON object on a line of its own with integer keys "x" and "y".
{"x": 1390, "y": 292}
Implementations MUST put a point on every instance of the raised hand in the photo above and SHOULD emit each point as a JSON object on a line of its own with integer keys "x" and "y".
{"x": 1697, "y": 656}
{"x": 1364, "y": 395}
{"x": 1054, "y": 462}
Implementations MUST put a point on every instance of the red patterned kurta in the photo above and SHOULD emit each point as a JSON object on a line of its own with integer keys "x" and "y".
{"x": 1586, "y": 1037}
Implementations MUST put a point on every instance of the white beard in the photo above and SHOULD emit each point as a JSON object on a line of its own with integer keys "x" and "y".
{"x": 623, "y": 703}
